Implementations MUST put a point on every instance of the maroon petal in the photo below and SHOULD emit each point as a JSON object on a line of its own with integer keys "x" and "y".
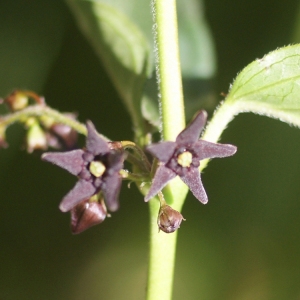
{"x": 191, "y": 133}
{"x": 72, "y": 161}
{"x": 193, "y": 181}
{"x": 163, "y": 151}
{"x": 81, "y": 191}
{"x": 205, "y": 149}
{"x": 162, "y": 176}
{"x": 111, "y": 189}
{"x": 86, "y": 214}
{"x": 95, "y": 144}
{"x": 115, "y": 162}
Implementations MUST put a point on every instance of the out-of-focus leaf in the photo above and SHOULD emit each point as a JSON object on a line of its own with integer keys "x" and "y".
{"x": 121, "y": 33}
{"x": 196, "y": 46}
{"x": 197, "y": 51}
{"x": 296, "y": 33}
{"x": 198, "y": 62}
{"x": 270, "y": 86}
{"x": 121, "y": 46}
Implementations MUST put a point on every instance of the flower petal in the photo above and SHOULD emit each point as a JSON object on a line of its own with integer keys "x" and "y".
{"x": 115, "y": 161}
{"x": 72, "y": 161}
{"x": 162, "y": 176}
{"x": 193, "y": 181}
{"x": 205, "y": 149}
{"x": 81, "y": 191}
{"x": 191, "y": 133}
{"x": 163, "y": 151}
{"x": 95, "y": 144}
{"x": 111, "y": 189}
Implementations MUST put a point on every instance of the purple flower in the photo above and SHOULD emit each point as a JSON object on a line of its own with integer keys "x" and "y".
{"x": 183, "y": 156}
{"x": 97, "y": 168}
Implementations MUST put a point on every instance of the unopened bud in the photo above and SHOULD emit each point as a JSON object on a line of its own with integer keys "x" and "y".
{"x": 60, "y": 135}
{"x": 169, "y": 219}
{"x": 3, "y": 143}
{"x": 36, "y": 138}
{"x": 17, "y": 100}
{"x": 87, "y": 214}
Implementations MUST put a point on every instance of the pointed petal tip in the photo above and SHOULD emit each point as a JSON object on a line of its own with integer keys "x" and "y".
{"x": 81, "y": 191}
{"x": 202, "y": 114}
{"x": 90, "y": 125}
{"x": 71, "y": 161}
{"x": 114, "y": 206}
{"x": 230, "y": 149}
{"x": 47, "y": 156}
{"x": 62, "y": 207}
{"x": 203, "y": 201}
{"x": 191, "y": 133}
{"x": 147, "y": 198}
{"x": 95, "y": 144}
{"x": 234, "y": 149}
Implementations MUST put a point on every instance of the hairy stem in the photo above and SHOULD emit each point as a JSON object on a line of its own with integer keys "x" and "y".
{"x": 162, "y": 245}
{"x": 43, "y": 111}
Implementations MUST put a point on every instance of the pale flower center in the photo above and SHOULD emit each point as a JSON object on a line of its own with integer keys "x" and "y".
{"x": 97, "y": 168}
{"x": 185, "y": 159}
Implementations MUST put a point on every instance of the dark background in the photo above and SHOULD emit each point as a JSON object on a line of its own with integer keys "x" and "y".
{"x": 244, "y": 244}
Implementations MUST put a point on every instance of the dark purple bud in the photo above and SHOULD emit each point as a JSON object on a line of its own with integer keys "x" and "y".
{"x": 169, "y": 219}
{"x": 64, "y": 134}
{"x": 87, "y": 214}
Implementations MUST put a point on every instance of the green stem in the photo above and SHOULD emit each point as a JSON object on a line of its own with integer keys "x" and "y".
{"x": 162, "y": 245}
{"x": 143, "y": 158}
{"x": 162, "y": 254}
{"x": 168, "y": 68}
{"x": 222, "y": 116}
{"x": 42, "y": 111}
{"x": 133, "y": 177}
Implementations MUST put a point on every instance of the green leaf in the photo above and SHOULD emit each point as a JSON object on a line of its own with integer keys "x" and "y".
{"x": 270, "y": 86}
{"x": 122, "y": 48}
{"x": 121, "y": 33}
{"x": 197, "y": 51}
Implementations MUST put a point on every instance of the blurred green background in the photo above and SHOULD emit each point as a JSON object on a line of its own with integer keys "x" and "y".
{"x": 244, "y": 244}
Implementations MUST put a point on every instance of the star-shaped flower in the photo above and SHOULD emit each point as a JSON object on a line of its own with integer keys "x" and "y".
{"x": 97, "y": 168}
{"x": 183, "y": 156}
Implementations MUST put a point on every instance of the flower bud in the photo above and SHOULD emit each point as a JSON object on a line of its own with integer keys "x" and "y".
{"x": 60, "y": 135}
{"x": 36, "y": 137}
{"x": 3, "y": 143}
{"x": 169, "y": 219}
{"x": 87, "y": 214}
{"x": 17, "y": 100}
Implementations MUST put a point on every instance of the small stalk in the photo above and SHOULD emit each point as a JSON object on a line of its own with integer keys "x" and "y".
{"x": 43, "y": 111}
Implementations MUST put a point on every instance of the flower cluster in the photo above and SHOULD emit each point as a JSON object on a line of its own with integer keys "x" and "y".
{"x": 99, "y": 165}
{"x": 42, "y": 131}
